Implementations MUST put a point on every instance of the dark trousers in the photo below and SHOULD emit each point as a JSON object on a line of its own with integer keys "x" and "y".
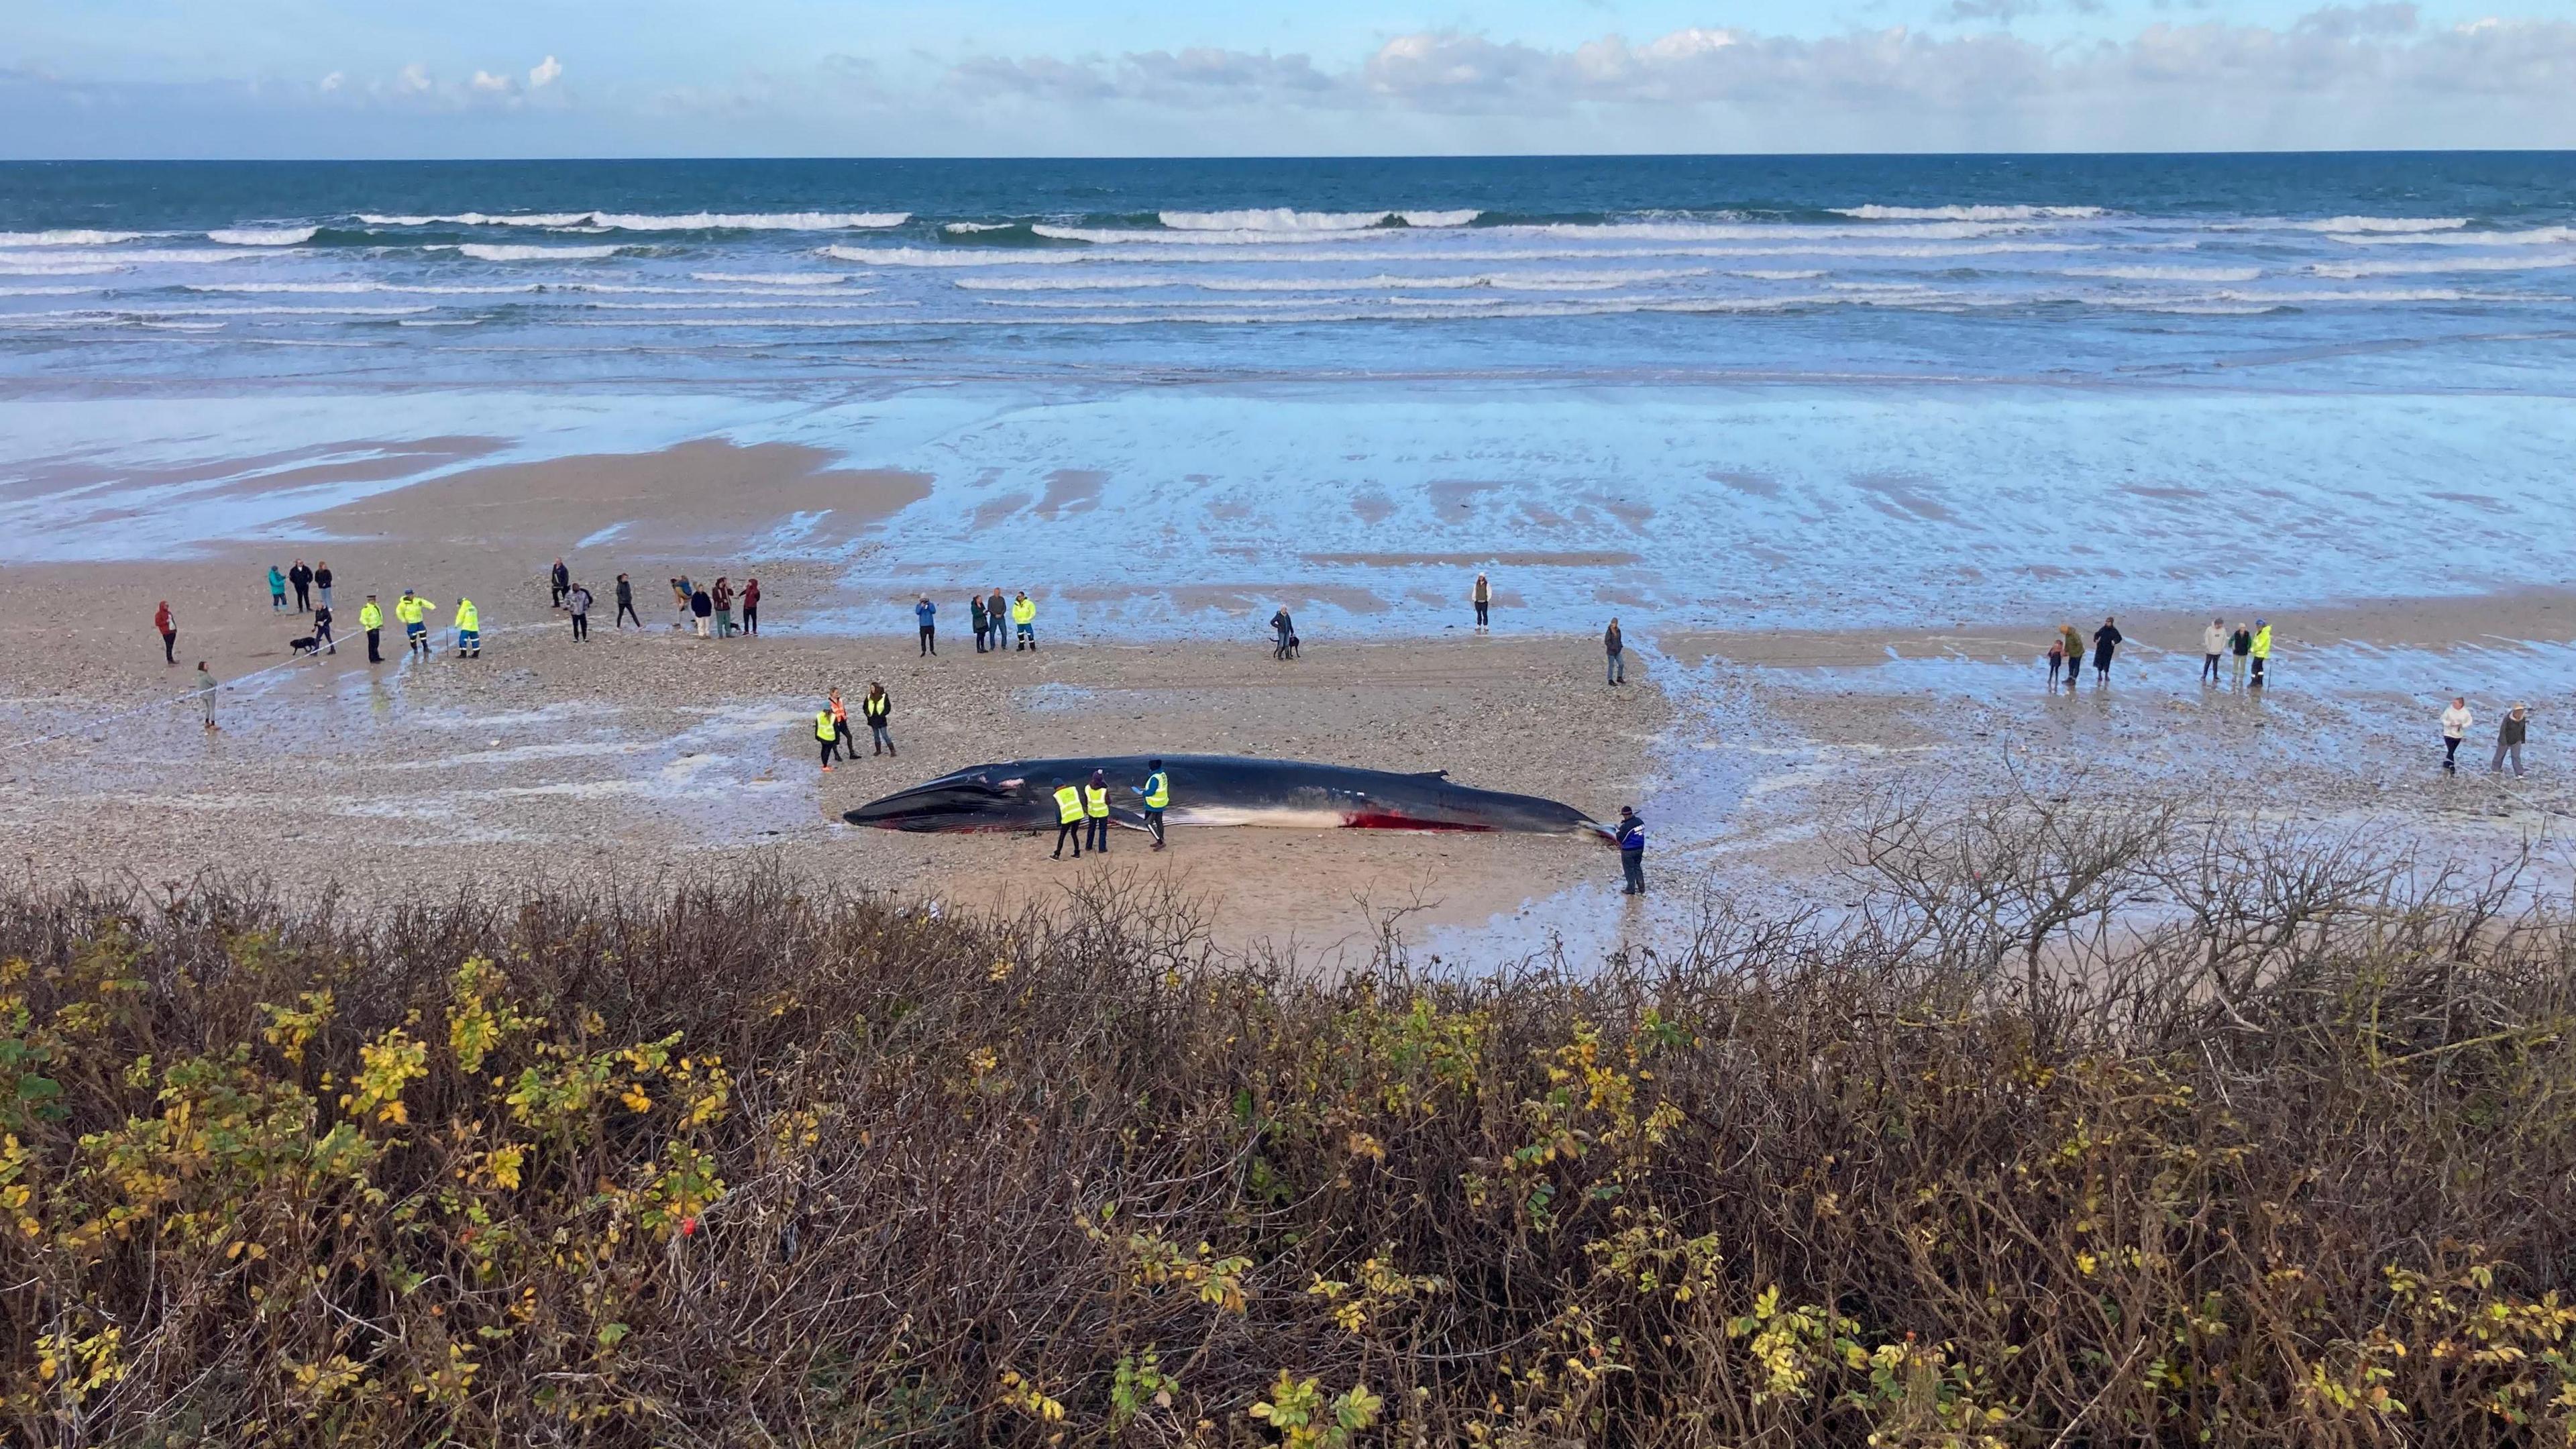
{"x": 581, "y": 626}
{"x": 2450, "y": 753}
{"x": 751, "y": 618}
{"x": 1068, "y": 830}
{"x": 169, "y": 646}
{"x": 2209, "y": 667}
{"x": 828, "y": 747}
{"x": 304, "y": 598}
{"x": 375, "y": 637}
{"x": 1154, "y": 823}
{"x": 626, "y": 611}
{"x": 1481, "y": 617}
{"x": 2259, "y": 662}
{"x": 1632, "y": 863}
{"x": 1099, "y": 834}
{"x": 848, "y": 742}
{"x": 560, "y": 591}
{"x": 322, "y": 639}
{"x": 2101, "y": 667}
{"x": 929, "y": 641}
{"x": 982, "y": 632}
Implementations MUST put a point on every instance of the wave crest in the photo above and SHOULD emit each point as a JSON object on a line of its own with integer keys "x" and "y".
{"x": 277, "y": 236}
{"x": 1968, "y": 213}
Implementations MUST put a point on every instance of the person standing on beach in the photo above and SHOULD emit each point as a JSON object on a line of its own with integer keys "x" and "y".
{"x": 412, "y": 611}
{"x": 2056, "y": 662}
{"x": 1482, "y": 596}
{"x": 751, "y": 606}
{"x": 1157, "y": 791}
{"x": 2261, "y": 647}
{"x": 701, "y": 608}
{"x": 577, "y": 599}
{"x": 2106, "y": 642}
{"x": 168, "y": 624}
{"x": 997, "y": 613}
{"x": 322, "y": 581}
{"x": 322, "y": 641}
{"x": 562, "y": 580}
{"x": 372, "y": 619}
{"x": 976, "y": 616}
{"x": 206, "y": 692}
{"x": 878, "y": 710}
{"x": 1283, "y": 627}
{"x": 1095, "y": 808}
{"x": 926, "y": 614}
{"x": 2074, "y": 646}
{"x": 825, "y": 730}
{"x": 1068, "y": 819}
{"x": 626, "y": 603}
{"x": 2240, "y": 644}
{"x": 2509, "y": 737}
{"x": 2455, "y": 728}
{"x": 1631, "y": 835}
{"x": 841, "y": 726}
{"x": 469, "y": 628}
{"x": 724, "y": 608}
{"x": 1615, "y": 645}
{"x": 2213, "y": 643}
{"x": 1024, "y": 618}
{"x": 276, "y": 590}
{"x": 302, "y": 577}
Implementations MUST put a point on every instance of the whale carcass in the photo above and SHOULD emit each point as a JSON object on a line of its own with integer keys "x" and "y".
{"x": 1220, "y": 790}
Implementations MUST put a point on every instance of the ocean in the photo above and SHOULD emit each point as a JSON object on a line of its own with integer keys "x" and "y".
{"x": 1719, "y": 391}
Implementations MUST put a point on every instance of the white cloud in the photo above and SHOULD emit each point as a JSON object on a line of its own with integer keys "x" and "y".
{"x": 414, "y": 79}
{"x": 334, "y": 81}
{"x": 484, "y": 80}
{"x": 544, "y": 73}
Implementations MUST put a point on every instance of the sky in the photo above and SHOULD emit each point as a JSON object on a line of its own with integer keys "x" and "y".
{"x": 472, "y": 78}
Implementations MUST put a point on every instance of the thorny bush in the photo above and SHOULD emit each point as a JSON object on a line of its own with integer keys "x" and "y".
{"x": 2278, "y": 1150}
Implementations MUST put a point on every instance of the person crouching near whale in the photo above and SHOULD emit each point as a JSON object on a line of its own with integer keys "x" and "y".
{"x": 1157, "y": 791}
{"x": 1632, "y": 851}
{"x": 1095, "y": 808}
{"x": 1068, "y": 819}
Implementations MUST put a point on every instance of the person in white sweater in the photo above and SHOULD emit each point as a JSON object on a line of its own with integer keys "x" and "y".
{"x": 2213, "y": 643}
{"x": 2455, "y": 727}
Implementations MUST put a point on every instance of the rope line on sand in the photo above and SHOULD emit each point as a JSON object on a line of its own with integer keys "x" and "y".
{"x": 90, "y": 724}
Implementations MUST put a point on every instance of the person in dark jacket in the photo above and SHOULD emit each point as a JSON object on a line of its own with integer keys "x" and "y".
{"x": 702, "y": 606}
{"x": 982, "y": 621}
{"x": 1631, "y": 835}
{"x": 562, "y": 581}
{"x": 2509, "y": 738}
{"x": 1285, "y": 628}
{"x": 878, "y": 710}
{"x": 626, "y": 603}
{"x": 301, "y": 576}
{"x": 322, "y": 581}
{"x": 751, "y": 606}
{"x": 1615, "y": 645}
{"x": 2106, "y": 642}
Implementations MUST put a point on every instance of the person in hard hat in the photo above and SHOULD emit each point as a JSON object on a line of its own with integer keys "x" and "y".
{"x": 469, "y": 628}
{"x": 828, "y": 727}
{"x": 1095, "y": 808}
{"x": 1068, "y": 819}
{"x": 371, "y": 618}
{"x": 411, "y": 609}
{"x": 2262, "y": 648}
{"x": 1157, "y": 791}
{"x": 877, "y": 709}
{"x": 1024, "y": 620}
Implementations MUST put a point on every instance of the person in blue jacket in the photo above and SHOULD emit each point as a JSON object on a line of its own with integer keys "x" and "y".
{"x": 1632, "y": 850}
{"x": 927, "y": 612}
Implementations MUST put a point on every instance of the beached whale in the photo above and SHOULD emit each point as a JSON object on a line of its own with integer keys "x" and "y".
{"x": 1220, "y": 790}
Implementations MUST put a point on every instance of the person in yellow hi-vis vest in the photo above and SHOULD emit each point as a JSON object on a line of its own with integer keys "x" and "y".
{"x": 1095, "y": 807}
{"x": 1157, "y": 791}
{"x": 827, "y": 729}
{"x": 1024, "y": 614}
{"x": 372, "y": 619}
{"x": 410, "y": 609}
{"x": 2262, "y": 649}
{"x": 1068, "y": 819}
{"x": 469, "y": 629}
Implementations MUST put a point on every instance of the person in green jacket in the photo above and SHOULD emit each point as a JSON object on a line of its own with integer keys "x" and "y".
{"x": 276, "y": 590}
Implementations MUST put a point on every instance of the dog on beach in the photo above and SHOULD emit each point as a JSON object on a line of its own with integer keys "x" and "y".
{"x": 306, "y": 645}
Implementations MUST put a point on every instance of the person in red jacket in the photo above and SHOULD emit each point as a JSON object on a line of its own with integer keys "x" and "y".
{"x": 169, "y": 627}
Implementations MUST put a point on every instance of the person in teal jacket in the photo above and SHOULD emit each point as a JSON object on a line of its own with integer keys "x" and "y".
{"x": 276, "y": 588}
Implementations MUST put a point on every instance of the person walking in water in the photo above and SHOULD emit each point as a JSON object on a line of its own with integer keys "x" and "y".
{"x": 976, "y": 616}
{"x": 1095, "y": 809}
{"x": 751, "y": 606}
{"x": 1283, "y": 627}
{"x": 562, "y": 580}
{"x": 469, "y": 628}
{"x": 2261, "y": 648}
{"x": 826, "y": 731}
{"x": 723, "y": 599}
{"x": 841, "y": 726}
{"x": 2106, "y": 642}
{"x": 626, "y": 603}
{"x": 701, "y": 609}
{"x": 2074, "y": 646}
{"x": 301, "y": 575}
{"x": 276, "y": 590}
{"x": 1068, "y": 819}
{"x": 1631, "y": 835}
{"x": 168, "y": 624}
{"x": 2240, "y": 645}
{"x": 322, "y": 640}
{"x": 878, "y": 710}
{"x": 2455, "y": 728}
{"x": 926, "y": 614}
{"x": 1482, "y": 596}
{"x": 1024, "y": 619}
{"x": 322, "y": 581}
{"x": 1615, "y": 646}
{"x": 412, "y": 610}
{"x": 372, "y": 619}
{"x": 2213, "y": 643}
{"x": 2056, "y": 662}
{"x": 577, "y": 601}
{"x": 206, "y": 692}
{"x": 1157, "y": 791}
{"x": 2509, "y": 737}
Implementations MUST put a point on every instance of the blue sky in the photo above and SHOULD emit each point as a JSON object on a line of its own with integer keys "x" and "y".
{"x": 1104, "y": 77}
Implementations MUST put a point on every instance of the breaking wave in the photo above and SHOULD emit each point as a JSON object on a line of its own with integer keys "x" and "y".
{"x": 2169, "y": 274}
{"x": 2365, "y": 225}
{"x": 280, "y": 236}
{"x": 1969, "y": 213}
{"x": 631, "y": 221}
{"x": 1276, "y": 219}
{"x": 483, "y": 253}
{"x": 65, "y": 238}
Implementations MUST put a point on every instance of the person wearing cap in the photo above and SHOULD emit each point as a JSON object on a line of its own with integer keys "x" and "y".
{"x": 1095, "y": 808}
{"x": 1631, "y": 835}
{"x": 1157, "y": 791}
{"x": 2262, "y": 649}
{"x": 1068, "y": 819}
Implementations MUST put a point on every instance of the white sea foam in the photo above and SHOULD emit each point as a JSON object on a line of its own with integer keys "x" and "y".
{"x": 634, "y": 221}
{"x": 969, "y": 228}
{"x": 1276, "y": 219}
{"x": 336, "y": 288}
{"x": 2169, "y": 274}
{"x": 1192, "y": 237}
{"x": 2348, "y": 271}
{"x": 45, "y": 291}
{"x": 440, "y": 322}
{"x": 65, "y": 238}
{"x": 1767, "y": 275}
{"x": 477, "y": 218}
{"x": 278, "y": 236}
{"x": 2538, "y": 236}
{"x": 788, "y": 301}
{"x": 482, "y": 253}
{"x": 777, "y": 279}
{"x": 2358, "y": 225}
{"x": 1504, "y": 281}
{"x": 23, "y": 265}
{"x": 927, "y": 257}
{"x": 1969, "y": 213}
